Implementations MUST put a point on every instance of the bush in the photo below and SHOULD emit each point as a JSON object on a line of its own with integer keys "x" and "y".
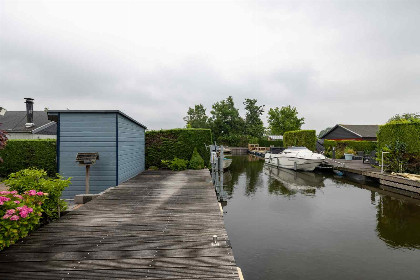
{"x": 21, "y": 154}
{"x": 341, "y": 145}
{"x": 153, "y": 168}
{"x": 402, "y": 140}
{"x": 179, "y": 143}
{"x": 19, "y": 214}
{"x": 349, "y": 150}
{"x": 196, "y": 161}
{"x": 31, "y": 178}
{"x": 268, "y": 143}
{"x": 234, "y": 140}
{"x": 300, "y": 138}
{"x": 178, "y": 164}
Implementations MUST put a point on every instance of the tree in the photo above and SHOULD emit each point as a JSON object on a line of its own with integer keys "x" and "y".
{"x": 405, "y": 118}
{"x": 284, "y": 119}
{"x": 322, "y": 132}
{"x": 197, "y": 118}
{"x": 225, "y": 120}
{"x": 254, "y": 126}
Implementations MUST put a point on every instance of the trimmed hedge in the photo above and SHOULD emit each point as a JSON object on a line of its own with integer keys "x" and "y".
{"x": 176, "y": 143}
{"x": 408, "y": 133}
{"x": 340, "y": 145}
{"x": 300, "y": 138}
{"x": 403, "y": 141}
{"x": 22, "y": 154}
{"x": 268, "y": 143}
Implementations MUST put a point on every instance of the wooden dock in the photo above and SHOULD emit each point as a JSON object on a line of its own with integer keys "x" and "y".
{"x": 157, "y": 225}
{"x": 403, "y": 185}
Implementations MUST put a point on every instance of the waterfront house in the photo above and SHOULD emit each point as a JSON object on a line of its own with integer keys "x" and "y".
{"x": 352, "y": 132}
{"x": 28, "y": 124}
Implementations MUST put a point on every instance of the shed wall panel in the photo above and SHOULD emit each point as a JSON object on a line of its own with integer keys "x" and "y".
{"x": 88, "y": 132}
{"x": 131, "y": 149}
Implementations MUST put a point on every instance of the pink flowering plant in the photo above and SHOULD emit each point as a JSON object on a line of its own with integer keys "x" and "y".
{"x": 19, "y": 214}
{"x": 36, "y": 180}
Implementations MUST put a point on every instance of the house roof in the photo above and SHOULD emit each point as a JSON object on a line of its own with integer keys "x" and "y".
{"x": 53, "y": 113}
{"x": 14, "y": 121}
{"x": 276, "y": 137}
{"x": 361, "y": 130}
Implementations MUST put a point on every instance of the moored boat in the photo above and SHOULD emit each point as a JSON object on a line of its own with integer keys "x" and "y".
{"x": 295, "y": 158}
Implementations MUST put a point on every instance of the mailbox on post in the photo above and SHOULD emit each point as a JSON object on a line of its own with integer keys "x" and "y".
{"x": 87, "y": 159}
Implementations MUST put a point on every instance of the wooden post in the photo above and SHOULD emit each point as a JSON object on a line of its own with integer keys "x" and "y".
{"x": 87, "y": 178}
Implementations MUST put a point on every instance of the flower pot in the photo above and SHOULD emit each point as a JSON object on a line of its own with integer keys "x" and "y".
{"x": 348, "y": 156}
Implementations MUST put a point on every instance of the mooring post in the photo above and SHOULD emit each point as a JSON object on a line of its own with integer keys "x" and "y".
{"x": 87, "y": 178}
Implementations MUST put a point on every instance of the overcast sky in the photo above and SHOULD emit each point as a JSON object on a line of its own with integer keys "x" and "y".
{"x": 349, "y": 62}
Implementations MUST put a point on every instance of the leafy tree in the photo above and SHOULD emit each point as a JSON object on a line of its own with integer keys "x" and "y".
{"x": 284, "y": 119}
{"x": 225, "y": 120}
{"x": 253, "y": 124}
{"x": 322, "y": 132}
{"x": 196, "y": 117}
{"x": 405, "y": 118}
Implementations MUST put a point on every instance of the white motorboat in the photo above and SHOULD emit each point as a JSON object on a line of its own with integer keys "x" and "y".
{"x": 295, "y": 158}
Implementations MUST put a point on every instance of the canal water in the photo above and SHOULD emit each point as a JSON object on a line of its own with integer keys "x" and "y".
{"x": 284, "y": 224}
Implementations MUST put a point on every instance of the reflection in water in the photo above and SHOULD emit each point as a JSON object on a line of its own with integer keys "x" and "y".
{"x": 251, "y": 167}
{"x": 292, "y": 181}
{"x": 305, "y": 225}
{"x": 398, "y": 222}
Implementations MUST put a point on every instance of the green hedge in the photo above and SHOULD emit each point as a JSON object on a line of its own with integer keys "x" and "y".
{"x": 402, "y": 140}
{"x": 268, "y": 143}
{"x": 180, "y": 143}
{"x": 340, "y": 145}
{"x": 300, "y": 138}
{"x": 408, "y": 133}
{"x": 22, "y": 154}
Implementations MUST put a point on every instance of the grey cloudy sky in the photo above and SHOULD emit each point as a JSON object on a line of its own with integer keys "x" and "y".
{"x": 354, "y": 62}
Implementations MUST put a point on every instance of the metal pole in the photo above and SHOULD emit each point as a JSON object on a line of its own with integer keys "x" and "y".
{"x": 87, "y": 178}
{"x": 382, "y": 162}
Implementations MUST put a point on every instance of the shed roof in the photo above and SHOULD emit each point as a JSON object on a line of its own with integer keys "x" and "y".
{"x": 52, "y": 113}
{"x": 14, "y": 122}
{"x": 362, "y": 130}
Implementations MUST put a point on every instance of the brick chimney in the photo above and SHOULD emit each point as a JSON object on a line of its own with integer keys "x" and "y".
{"x": 29, "y": 112}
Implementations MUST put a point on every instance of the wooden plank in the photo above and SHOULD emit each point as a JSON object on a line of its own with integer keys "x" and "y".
{"x": 158, "y": 225}
{"x": 393, "y": 178}
{"x": 399, "y": 186}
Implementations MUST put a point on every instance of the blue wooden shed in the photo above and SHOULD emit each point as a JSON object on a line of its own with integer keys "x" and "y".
{"x": 119, "y": 140}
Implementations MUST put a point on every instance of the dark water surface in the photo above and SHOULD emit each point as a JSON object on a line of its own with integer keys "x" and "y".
{"x": 302, "y": 225}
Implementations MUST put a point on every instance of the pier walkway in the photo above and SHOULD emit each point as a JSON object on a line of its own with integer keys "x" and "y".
{"x": 157, "y": 225}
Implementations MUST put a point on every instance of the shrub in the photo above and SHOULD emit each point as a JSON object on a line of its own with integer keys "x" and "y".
{"x": 180, "y": 143}
{"x": 21, "y": 154}
{"x": 19, "y": 214}
{"x": 402, "y": 139}
{"x": 341, "y": 145}
{"x": 300, "y": 138}
{"x": 31, "y": 178}
{"x": 349, "y": 150}
{"x": 178, "y": 164}
{"x": 268, "y": 143}
{"x": 153, "y": 168}
{"x": 196, "y": 161}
